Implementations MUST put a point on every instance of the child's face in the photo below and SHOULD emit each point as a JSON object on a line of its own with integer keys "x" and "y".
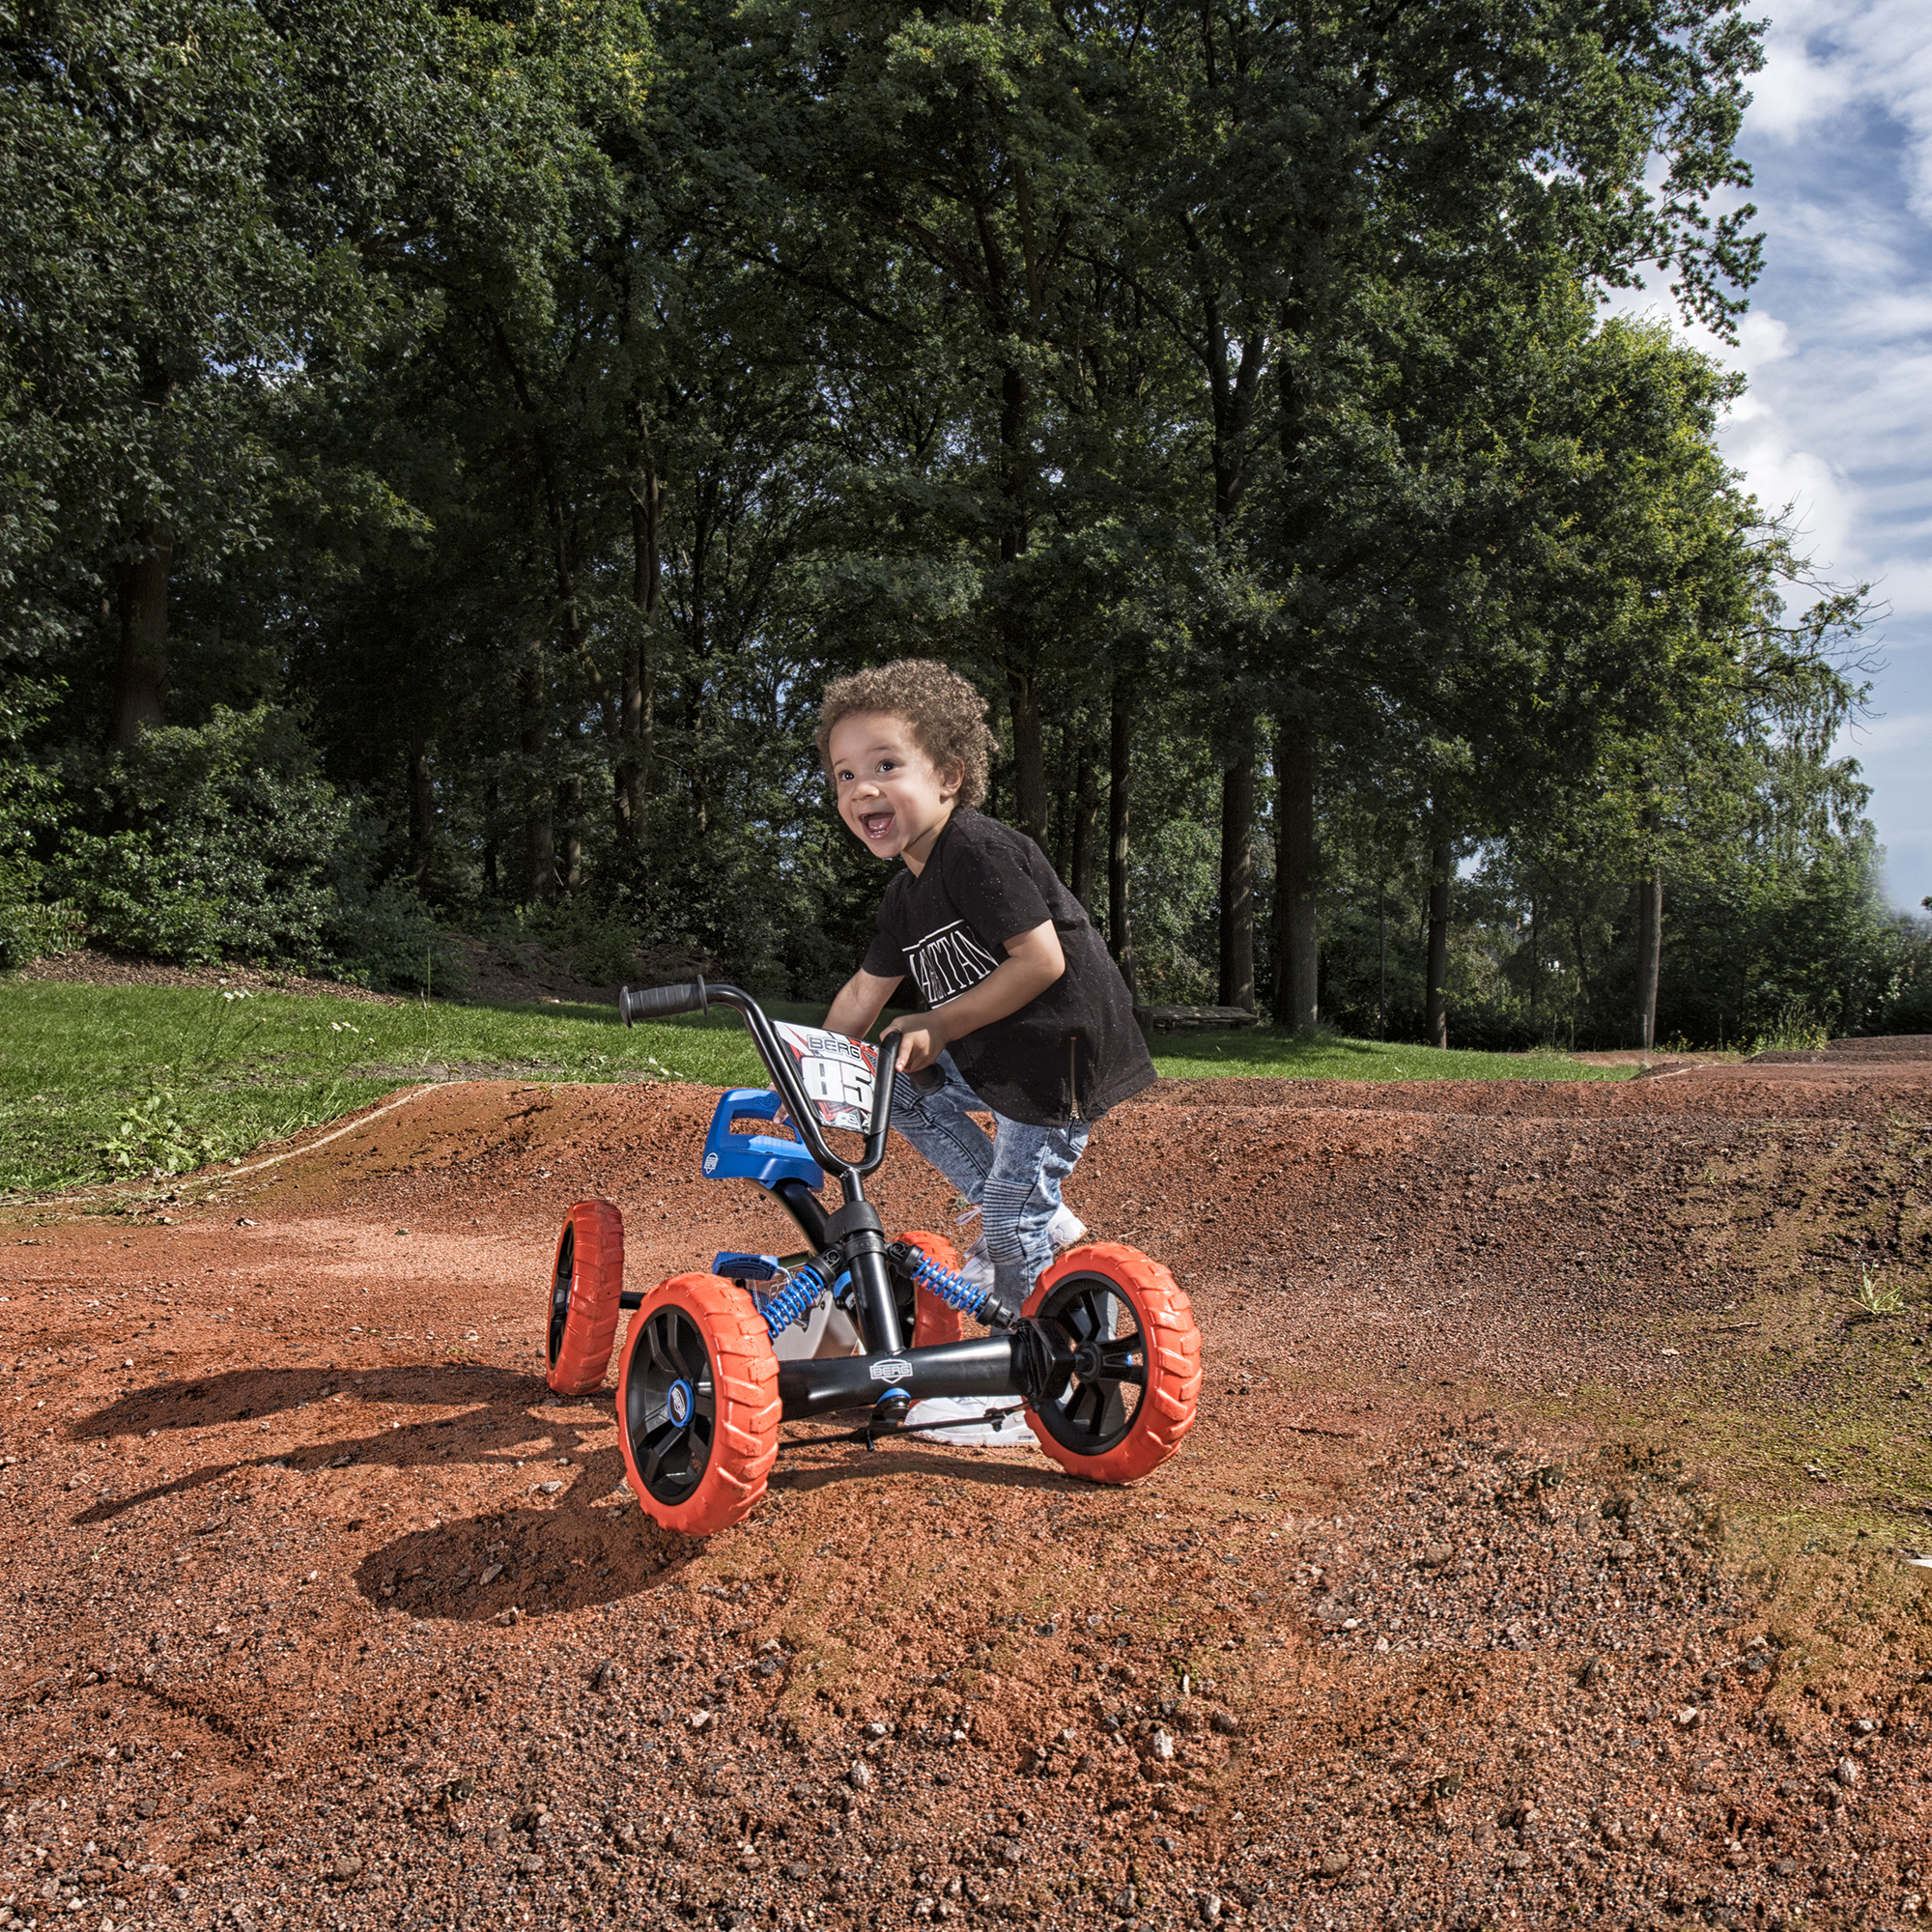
{"x": 888, "y": 791}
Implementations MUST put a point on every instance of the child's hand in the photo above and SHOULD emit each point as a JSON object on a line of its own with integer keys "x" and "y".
{"x": 919, "y": 1041}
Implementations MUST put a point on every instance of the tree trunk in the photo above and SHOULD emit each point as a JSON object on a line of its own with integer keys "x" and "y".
{"x": 996, "y": 724}
{"x": 1296, "y": 990}
{"x": 1649, "y": 953}
{"x": 1579, "y": 998}
{"x": 637, "y": 713}
{"x": 541, "y": 831}
{"x": 422, "y": 810}
{"x": 539, "y": 828}
{"x": 1119, "y": 797}
{"x": 697, "y": 766}
{"x": 1535, "y": 964}
{"x": 1029, "y": 756}
{"x": 697, "y": 771}
{"x": 570, "y": 800}
{"x": 559, "y": 513}
{"x": 1066, "y": 800}
{"x": 1030, "y": 801}
{"x": 1237, "y": 873}
{"x": 1441, "y": 862}
{"x": 141, "y": 681}
{"x": 1086, "y": 811}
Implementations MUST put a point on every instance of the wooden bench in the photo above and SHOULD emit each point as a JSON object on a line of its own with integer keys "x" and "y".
{"x": 1193, "y": 1019}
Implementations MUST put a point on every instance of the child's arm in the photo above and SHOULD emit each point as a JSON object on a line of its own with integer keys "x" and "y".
{"x": 861, "y": 1000}
{"x": 1034, "y": 961}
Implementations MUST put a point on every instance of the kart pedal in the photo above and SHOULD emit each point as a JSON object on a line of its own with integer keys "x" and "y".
{"x": 746, "y": 1267}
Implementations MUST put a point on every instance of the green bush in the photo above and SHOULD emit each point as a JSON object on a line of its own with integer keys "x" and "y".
{"x": 382, "y": 936}
{"x": 29, "y": 931}
{"x": 1908, "y": 1002}
{"x": 601, "y": 939}
{"x": 201, "y": 842}
{"x": 30, "y": 928}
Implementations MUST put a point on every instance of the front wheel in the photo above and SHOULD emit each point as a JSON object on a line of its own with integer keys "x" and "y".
{"x": 1122, "y": 1408}
{"x": 586, "y": 1281}
{"x": 697, "y": 1405}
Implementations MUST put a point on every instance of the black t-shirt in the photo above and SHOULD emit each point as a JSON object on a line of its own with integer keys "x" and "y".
{"x": 1073, "y": 1050}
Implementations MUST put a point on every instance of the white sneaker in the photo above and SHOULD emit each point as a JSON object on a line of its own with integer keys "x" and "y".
{"x": 977, "y": 1268}
{"x": 1064, "y": 1230}
{"x": 968, "y": 1431}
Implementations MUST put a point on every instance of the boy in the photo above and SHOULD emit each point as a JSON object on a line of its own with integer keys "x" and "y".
{"x": 1029, "y": 1018}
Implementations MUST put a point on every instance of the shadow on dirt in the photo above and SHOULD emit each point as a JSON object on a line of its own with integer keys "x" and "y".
{"x": 589, "y": 1546}
{"x": 245, "y": 1395}
{"x": 818, "y": 1461}
{"x": 589, "y": 1549}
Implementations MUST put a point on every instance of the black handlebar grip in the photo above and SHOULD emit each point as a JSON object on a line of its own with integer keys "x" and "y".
{"x": 659, "y": 1003}
{"x": 929, "y": 1079}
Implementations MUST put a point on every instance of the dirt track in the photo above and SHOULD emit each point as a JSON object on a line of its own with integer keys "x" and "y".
{"x": 324, "y": 1613}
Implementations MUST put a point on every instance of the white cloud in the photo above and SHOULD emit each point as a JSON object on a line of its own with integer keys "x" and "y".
{"x": 1794, "y": 92}
{"x": 1885, "y": 737}
{"x": 1827, "y": 58}
{"x": 1762, "y": 340}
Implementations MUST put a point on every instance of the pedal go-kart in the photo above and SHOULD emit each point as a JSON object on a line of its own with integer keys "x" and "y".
{"x": 1103, "y": 1362}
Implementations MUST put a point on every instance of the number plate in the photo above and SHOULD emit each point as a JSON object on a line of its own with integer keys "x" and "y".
{"x": 836, "y": 1073}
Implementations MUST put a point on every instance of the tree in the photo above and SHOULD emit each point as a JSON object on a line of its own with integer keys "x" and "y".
{"x": 164, "y": 286}
{"x": 1347, "y": 168}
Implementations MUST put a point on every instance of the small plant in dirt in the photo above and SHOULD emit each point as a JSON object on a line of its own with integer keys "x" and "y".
{"x": 1795, "y": 1031}
{"x": 155, "y": 1137}
{"x": 1878, "y": 1299}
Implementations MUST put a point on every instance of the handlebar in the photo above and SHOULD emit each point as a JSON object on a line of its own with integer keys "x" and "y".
{"x": 659, "y": 1002}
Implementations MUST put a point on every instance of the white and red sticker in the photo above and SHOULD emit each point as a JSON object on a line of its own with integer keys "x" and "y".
{"x": 835, "y": 1072}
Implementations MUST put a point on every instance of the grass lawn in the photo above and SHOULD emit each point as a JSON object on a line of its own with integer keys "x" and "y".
{"x": 1262, "y": 1051}
{"x": 103, "y": 1081}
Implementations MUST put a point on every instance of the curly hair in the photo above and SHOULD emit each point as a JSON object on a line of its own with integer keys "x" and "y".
{"x": 947, "y": 713}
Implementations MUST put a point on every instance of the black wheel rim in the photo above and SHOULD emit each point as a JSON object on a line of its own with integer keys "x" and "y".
{"x": 671, "y": 1404}
{"x": 559, "y": 1288}
{"x": 1095, "y": 1324}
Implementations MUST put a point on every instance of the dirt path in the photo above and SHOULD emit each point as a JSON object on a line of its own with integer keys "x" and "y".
{"x": 323, "y": 1614}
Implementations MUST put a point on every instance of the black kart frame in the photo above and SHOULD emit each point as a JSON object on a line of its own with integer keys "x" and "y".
{"x": 1029, "y": 1360}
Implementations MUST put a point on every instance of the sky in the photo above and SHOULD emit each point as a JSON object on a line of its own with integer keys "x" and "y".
{"x": 1838, "y": 348}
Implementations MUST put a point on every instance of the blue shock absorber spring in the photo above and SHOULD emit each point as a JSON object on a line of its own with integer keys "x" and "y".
{"x": 793, "y": 1301}
{"x": 954, "y": 1289}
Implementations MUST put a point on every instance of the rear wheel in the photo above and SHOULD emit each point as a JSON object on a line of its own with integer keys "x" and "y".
{"x": 931, "y": 1319}
{"x": 1131, "y": 1363}
{"x": 585, "y": 1282}
{"x": 697, "y": 1405}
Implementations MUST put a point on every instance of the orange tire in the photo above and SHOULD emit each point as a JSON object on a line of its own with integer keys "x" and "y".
{"x": 1130, "y": 1395}
{"x": 933, "y": 1321}
{"x": 585, "y": 1282}
{"x": 698, "y": 1404}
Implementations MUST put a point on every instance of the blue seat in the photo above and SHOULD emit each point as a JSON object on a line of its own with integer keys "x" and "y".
{"x": 761, "y": 1157}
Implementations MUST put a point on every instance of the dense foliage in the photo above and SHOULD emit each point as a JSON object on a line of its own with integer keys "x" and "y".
{"x": 445, "y": 449}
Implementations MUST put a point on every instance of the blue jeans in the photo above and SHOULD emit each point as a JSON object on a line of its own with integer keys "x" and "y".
{"x": 1015, "y": 1178}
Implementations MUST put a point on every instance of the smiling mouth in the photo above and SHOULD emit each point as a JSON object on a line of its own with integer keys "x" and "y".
{"x": 877, "y": 824}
